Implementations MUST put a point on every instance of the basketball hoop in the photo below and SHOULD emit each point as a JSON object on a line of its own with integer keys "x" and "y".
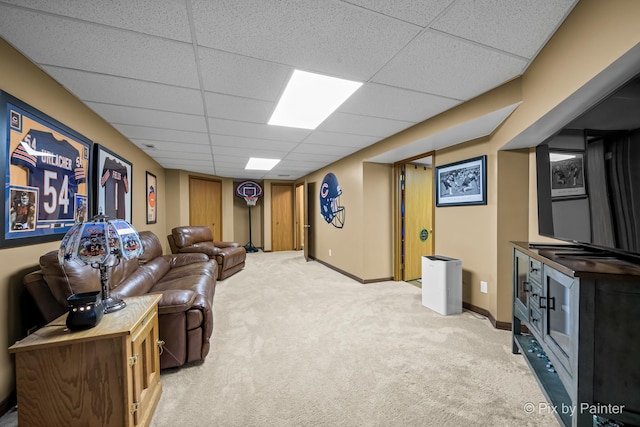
{"x": 250, "y": 191}
{"x": 251, "y": 200}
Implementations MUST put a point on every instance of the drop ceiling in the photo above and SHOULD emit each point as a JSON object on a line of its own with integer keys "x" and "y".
{"x": 193, "y": 83}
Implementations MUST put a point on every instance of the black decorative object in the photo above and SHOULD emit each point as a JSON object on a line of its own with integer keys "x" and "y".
{"x": 85, "y": 310}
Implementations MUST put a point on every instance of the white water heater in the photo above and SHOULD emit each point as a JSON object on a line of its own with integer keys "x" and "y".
{"x": 442, "y": 284}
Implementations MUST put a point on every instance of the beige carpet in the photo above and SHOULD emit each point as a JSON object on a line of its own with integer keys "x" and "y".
{"x": 298, "y": 344}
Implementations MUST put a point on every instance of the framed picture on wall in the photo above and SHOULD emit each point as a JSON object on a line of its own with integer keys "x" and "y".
{"x": 47, "y": 175}
{"x": 152, "y": 198}
{"x": 567, "y": 174}
{"x": 113, "y": 184}
{"x": 462, "y": 183}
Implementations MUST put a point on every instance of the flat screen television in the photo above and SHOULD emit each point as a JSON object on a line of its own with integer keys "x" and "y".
{"x": 589, "y": 178}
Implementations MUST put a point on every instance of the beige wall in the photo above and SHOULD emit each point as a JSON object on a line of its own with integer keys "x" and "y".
{"x": 594, "y": 35}
{"x": 22, "y": 79}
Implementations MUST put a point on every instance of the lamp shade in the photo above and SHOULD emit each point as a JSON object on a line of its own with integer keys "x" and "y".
{"x": 100, "y": 241}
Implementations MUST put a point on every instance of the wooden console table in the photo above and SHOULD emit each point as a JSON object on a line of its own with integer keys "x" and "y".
{"x": 108, "y": 375}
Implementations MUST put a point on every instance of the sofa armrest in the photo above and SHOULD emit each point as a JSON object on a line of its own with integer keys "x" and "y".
{"x": 175, "y": 300}
{"x": 226, "y": 244}
{"x": 178, "y": 260}
{"x": 209, "y": 249}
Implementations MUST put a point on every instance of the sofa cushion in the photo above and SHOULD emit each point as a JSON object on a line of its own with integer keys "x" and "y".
{"x": 70, "y": 278}
{"x": 151, "y": 245}
{"x": 187, "y": 236}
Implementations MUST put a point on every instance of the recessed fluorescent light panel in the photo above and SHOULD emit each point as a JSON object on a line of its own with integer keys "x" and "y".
{"x": 310, "y": 98}
{"x": 255, "y": 163}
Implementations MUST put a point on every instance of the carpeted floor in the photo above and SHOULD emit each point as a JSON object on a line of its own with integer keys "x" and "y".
{"x": 298, "y": 344}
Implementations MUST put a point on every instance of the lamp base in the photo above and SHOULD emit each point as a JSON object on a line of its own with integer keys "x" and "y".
{"x": 112, "y": 304}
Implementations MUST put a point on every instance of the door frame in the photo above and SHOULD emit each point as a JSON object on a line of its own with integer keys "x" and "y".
{"x": 397, "y": 208}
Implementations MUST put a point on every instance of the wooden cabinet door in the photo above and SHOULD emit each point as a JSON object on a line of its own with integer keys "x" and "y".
{"x": 282, "y": 217}
{"x": 205, "y": 204}
{"x": 145, "y": 363}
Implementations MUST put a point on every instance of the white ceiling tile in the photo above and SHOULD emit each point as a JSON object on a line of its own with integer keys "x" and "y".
{"x": 97, "y": 48}
{"x": 165, "y": 18}
{"x": 418, "y": 12}
{"x": 300, "y": 164}
{"x": 446, "y": 66}
{"x": 170, "y": 146}
{"x": 256, "y": 130}
{"x": 134, "y": 63}
{"x": 520, "y": 27}
{"x": 237, "y": 108}
{"x": 323, "y": 158}
{"x": 232, "y": 74}
{"x": 129, "y": 92}
{"x": 184, "y": 155}
{"x": 117, "y": 114}
{"x": 243, "y": 142}
{"x": 142, "y": 132}
{"x": 230, "y": 161}
{"x": 362, "y": 125}
{"x": 331, "y": 150}
{"x": 328, "y": 37}
{"x": 247, "y": 152}
{"x": 342, "y": 139}
{"x": 389, "y": 102}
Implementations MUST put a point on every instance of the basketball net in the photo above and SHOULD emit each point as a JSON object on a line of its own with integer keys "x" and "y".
{"x": 251, "y": 200}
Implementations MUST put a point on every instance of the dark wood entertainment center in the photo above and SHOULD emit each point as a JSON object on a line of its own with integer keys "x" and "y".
{"x": 581, "y": 310}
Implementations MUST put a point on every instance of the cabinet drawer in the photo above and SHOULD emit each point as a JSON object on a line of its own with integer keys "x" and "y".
{"x": 535, "y": 319}
{"x": 534, "y": 295}
{"x": 535, "y": 270}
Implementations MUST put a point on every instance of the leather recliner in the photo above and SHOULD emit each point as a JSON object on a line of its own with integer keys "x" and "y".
{"x": 230, "y": 256}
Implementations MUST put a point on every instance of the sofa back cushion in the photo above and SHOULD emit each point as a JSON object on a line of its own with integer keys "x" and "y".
{"x": 187, "y": 236}
{"x": 151, "y": 245}
{"x": 74, "y": 277}
{"x": 70, "y": 278}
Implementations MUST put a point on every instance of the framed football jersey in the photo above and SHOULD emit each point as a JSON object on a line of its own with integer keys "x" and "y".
{"x": 113, "y": 184}
{"x": 47, "y": 181}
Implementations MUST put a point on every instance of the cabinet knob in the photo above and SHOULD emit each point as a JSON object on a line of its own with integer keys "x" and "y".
{"x": 160, "y": 345}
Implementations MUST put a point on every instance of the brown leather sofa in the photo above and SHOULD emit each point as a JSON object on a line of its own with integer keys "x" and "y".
{"x": 186, "y": 281}
{"x": 230, "y": 256}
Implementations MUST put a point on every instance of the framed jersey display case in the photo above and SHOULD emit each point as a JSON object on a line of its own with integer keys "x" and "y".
{"x": 113, "y": 185}
{"x": 47, "y": 175}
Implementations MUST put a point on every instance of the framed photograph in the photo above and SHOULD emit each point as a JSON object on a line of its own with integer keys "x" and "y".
{"x": 152, "y": 198}
{"x": 567, "y": 174}
{"x": 113, "y": 184}
{"x": 47, "y": 175}
{"x": 462, "y": 183}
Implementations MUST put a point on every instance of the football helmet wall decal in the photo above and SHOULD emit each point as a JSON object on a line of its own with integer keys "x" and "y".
{"x": 330, "y": 208}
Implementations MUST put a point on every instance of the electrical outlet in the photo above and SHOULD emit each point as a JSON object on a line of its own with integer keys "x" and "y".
{"x": 329, "y": 252}
{"x": 484, "y": 287}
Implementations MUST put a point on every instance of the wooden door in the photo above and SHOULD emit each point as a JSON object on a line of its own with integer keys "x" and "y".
{"x": 309, "y": 209}
{"x": 282, "y": 217}
{"x": 205, "y": 204}
{"x": 418, "y": 219}
{"x": 300, "y": 216}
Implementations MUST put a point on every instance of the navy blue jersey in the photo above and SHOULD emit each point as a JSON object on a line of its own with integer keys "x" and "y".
{"x": 55, "y": 167}
{"x": 115, "y": 181}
